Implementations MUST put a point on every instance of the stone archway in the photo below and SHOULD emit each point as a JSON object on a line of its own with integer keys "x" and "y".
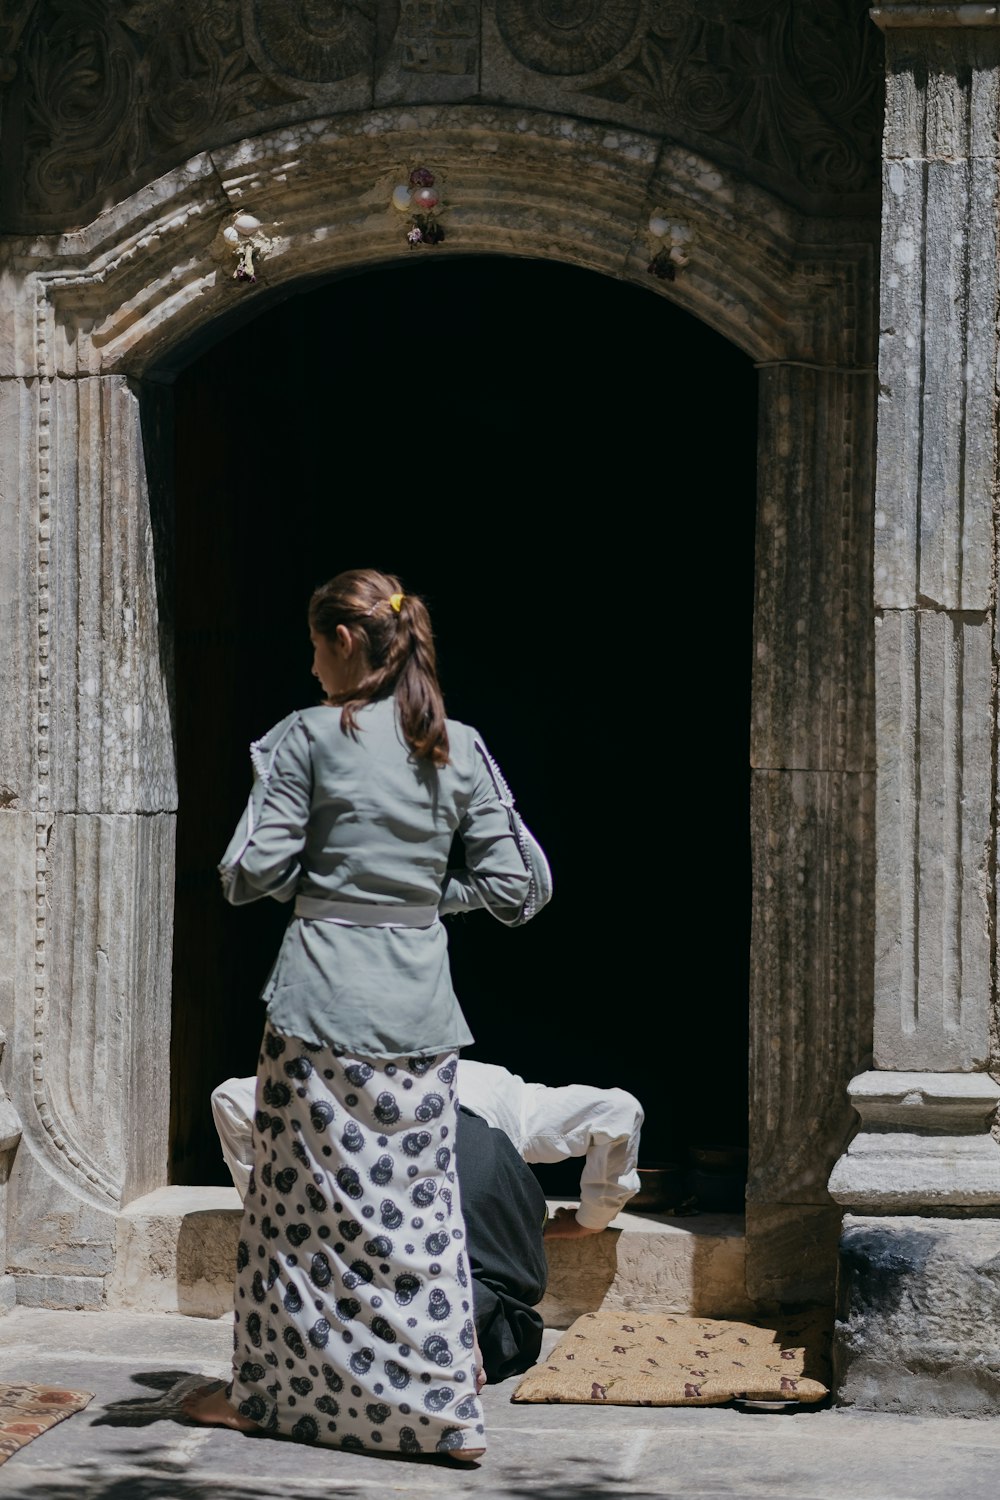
{"x": 99, "y": 317}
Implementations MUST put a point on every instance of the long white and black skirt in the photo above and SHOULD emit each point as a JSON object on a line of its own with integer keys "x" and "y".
{"x": 354, "y": 1314}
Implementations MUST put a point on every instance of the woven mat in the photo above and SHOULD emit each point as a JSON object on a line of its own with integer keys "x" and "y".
{"x": 26, "y": 1411}
{"x": 625, "y": 1359}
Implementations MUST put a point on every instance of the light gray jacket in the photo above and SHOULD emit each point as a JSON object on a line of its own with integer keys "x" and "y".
{"x": 356, "y": 820}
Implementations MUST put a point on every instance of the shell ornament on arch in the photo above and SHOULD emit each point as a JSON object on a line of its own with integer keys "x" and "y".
{"x": 672, "y": 241}
{"x": 420, "y": 198}
{"x": 245, "y": 238}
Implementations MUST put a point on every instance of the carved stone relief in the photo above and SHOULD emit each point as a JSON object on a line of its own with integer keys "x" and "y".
{"x": 98, "y": 98}
{"x": 312, "y": 39}
{"x": 440, "y": 37}
{"x": 552, "y": 36}
{"x": 792, "y": 88}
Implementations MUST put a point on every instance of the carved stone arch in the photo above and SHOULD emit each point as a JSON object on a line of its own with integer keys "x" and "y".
{"x": 121, "y": 292}
{"x": 106, "y": 313}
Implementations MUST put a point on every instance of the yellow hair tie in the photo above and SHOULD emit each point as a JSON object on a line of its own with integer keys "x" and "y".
{"x": 396, "y": 600}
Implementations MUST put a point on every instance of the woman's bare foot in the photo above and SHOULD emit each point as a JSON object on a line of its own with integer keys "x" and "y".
{"x": 210, "y": 1405}
{"x": 472, "y": 1455}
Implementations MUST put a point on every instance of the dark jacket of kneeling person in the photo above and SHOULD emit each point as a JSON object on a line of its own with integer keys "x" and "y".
{"x": 504, "y": 1210}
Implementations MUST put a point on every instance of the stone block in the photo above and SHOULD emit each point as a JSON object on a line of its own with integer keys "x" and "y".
{"x": 810, "y": 977}
{"x": 933, "y": 944}
{"x": 176, "y": 1252}
{"x": 549, "y": 65}
{"x": 92, "y": 1014}
{"x": 924, "y": 1143}
{"x": 941, "y": 94}
{"x": 936, "y": 443}
{"x": 433, "y": 56}
{"x": 792, "y": 1252}
{"x": 10, "y": 1136}
{"x": 110, "y": 739}
{"x": 19, "y": 910}
{"x": 54, "y": 1231}
{"x": 84, "y": 1292}
{"x": 23, "y": 550}
{"x": 82, "y": 664}
{"x": 649, "y": 1263}
{"x": 111, "y": 889}
{"x": 918, "y": 1308}
{"x": 812, "y": 671}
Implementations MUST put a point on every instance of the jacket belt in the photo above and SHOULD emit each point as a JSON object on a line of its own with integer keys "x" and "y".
{"x": 364, "y": 913}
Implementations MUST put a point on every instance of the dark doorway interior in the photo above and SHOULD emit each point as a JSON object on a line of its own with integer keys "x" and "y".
{"x": 564, "y": 466}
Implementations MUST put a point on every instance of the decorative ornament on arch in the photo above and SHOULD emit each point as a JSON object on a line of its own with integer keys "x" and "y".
{"x": 671, "y": 241}
{"x": 420, "y": 198}
{"x": 247, "y": 239}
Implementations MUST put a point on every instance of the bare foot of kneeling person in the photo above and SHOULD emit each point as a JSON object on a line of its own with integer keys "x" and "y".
{"x": 477, "y": 1358}
{"x": 211, "y": 1406}
{"x": 472, "y": 1455}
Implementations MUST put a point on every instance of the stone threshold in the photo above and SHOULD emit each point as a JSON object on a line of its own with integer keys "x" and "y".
{"x": 176, "y": 1252}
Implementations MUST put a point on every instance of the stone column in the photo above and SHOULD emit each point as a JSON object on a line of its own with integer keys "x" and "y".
{"x": 86, "y": 823}
{"x": 811, "y": 808}
{"x": 923, "y": 1160}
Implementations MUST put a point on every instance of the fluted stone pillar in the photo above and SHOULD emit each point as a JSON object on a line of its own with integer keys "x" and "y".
{"x": 86, "y": 826}
{"x": 923, "y": 1159}
{"x": 811, "y": 801}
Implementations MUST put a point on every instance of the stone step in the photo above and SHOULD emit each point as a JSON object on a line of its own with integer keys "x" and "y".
{"x": 176, "y": 1252}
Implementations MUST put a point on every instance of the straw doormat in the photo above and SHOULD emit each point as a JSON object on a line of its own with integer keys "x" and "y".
{"x": 657, "y": 1359}
{"x": 26, "y": 1411}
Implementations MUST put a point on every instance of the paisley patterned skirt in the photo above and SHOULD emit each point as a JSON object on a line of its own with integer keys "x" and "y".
{"x": 353, "y": 1300}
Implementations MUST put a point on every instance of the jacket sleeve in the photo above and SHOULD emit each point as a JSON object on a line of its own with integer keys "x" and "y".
{"x": 602, "y": 1126}
{"x": 263, "y": 857}
{"x": 494, "y": 876}
{"x": 233, "y": 1106}
{"x": 459, "y": 894}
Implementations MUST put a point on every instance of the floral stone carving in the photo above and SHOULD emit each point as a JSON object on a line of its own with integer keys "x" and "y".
{"x": 98, "y": 99}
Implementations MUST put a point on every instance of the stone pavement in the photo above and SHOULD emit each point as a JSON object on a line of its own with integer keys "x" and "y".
{"x": 552, "y": 1452}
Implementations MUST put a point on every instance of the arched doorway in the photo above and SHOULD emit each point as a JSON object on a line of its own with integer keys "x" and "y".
{"x": 550, "y": 457}
{"x": 109, "y": 315}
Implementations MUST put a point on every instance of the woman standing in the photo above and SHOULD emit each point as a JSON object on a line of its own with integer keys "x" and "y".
{"x": 353, "y": 1302}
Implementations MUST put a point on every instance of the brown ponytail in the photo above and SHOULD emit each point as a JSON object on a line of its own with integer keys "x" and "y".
{"x": 394, "y": 631}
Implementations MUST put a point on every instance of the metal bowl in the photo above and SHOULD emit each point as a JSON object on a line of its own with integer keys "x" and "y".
{"x": 661, "y": 1189}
